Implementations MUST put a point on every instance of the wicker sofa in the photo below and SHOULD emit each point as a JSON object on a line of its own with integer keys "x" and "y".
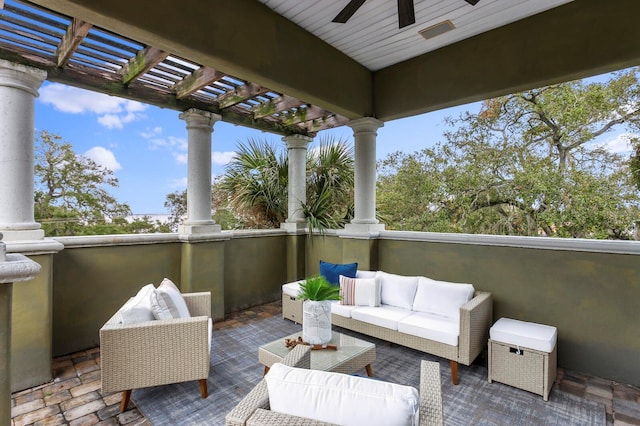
{"x": 157, "y": 352}
{"x": 254, "y": 408}
{"x": 471, "y": 322}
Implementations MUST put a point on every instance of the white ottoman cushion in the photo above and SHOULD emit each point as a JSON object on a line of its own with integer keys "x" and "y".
{"x": 292, "y": 289}
{"x": 524, "y": 334}
{"x": 340, "y": 398}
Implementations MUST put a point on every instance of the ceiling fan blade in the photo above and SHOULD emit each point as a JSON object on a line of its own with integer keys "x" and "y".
{"x": 472, "y": 2}
{"x": 348, "y": 11}
{"x": 406, "y": 14}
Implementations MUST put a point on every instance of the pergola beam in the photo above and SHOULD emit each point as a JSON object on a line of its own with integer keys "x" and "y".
{"x": 146, "y": 59}
{"x": 200, "y": 78}
{"x": 76, "y": 32}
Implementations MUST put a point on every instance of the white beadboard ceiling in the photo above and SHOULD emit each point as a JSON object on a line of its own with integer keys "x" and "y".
{"x": 372, "y": 38}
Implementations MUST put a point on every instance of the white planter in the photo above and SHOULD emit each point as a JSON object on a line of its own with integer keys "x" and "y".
{"x": 316, "y": 322}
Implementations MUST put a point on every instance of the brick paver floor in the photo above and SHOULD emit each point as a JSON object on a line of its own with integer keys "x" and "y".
{"x": 74, "y": 396}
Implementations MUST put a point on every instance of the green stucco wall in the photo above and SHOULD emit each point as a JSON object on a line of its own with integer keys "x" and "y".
{"x": 90, "y": 284}
{"x": 255, "y": 269}
{"x": 592, "y": 298}
{"x": 31, "y": 328}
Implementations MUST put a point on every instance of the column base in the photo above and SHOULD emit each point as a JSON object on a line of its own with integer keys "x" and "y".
{"x": 361, "y": 230}
{"x": 189, "y": 229}
{"x": 22, "y": 234}
{"x": 294, "y": 227}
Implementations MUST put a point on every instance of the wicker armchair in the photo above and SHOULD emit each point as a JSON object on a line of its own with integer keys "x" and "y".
{"x": 158, "y": 352}
{"x": 254, "y": 410}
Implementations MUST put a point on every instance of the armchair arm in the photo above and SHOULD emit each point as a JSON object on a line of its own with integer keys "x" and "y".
{"x": 199, "y": 304}
{"x": 153, "y": 353}
{"x": 258, "y": 397}
{"x": 430, "y": 394}
{"x": 475, "y": 319}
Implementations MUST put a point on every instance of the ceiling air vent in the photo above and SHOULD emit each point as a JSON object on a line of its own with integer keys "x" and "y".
{"x": 437, "y": 29}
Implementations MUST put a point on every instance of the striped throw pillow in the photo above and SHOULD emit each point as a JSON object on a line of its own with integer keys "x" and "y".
{"x": 359, "y": 291}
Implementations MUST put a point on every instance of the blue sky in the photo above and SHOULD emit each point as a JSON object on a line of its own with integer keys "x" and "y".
{"x": 146, "y": 146}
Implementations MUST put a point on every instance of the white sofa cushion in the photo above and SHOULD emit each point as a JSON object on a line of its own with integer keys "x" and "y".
{"x": 432, "y": 327}
{"x": 167, "y": 302}
{"x": 366, "y": 274}
{"x": 441, "y": 297}
{"x": 524, "y": 334}
{"x": 338, "y": 308}
{"x": 341, "y": 399}
{"x": 137, "y": 308}
{"x": 397, "y": 290}
{"x": 382, "y": 316}
{"x": 292, "y": 289}
{"x": 359, "y": 291}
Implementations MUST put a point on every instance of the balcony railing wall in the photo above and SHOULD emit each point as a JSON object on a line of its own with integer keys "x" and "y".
{"x": 588, "y": 289}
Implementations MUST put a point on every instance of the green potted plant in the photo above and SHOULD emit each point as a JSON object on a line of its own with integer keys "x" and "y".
{"x": 317, "y": 294}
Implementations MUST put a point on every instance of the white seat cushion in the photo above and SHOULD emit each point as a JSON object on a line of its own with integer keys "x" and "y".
{"x": 292, "y": 289}
{"x": 343, "y": 310}
{"x": 432, "y": 327}
{"x": 382, "y": 316}
{"x": 397, "y": 290}
{"x": 340, "y": 398}
{"x": 441, "y": 297}
{"x": 524, "y": 334}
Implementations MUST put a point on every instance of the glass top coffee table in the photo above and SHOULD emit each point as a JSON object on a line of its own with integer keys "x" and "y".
{"x": 352, "y": 354}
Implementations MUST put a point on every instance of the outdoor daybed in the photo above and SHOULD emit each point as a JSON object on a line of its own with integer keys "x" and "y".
{"x": 324, "y": 398}
{"x": 448, "y": 320}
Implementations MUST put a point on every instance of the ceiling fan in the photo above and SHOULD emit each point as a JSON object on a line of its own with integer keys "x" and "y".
{"x": 406, "y": 15}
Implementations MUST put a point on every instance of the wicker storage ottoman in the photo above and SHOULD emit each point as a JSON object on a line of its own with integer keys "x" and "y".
{"x": 291, "y": 305}
{"x": 523, "y": 355}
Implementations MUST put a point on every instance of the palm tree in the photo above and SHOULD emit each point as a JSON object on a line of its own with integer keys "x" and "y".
{"x": 257, "y": 181}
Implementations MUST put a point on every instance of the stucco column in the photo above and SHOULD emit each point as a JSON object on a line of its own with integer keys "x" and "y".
{"x": 364, "y": 135}
{"x": 13, "y": 268}
{"x": 297, "y": 177}
{"x": 18, "y": 89}
{"x": 199, "y": 129}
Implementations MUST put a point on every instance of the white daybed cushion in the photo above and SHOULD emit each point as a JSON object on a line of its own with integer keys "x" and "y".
{"x": 441, "y": 297}
{"x": 340, "y": 398}
{"x": 359, "y": 291}
{"x": 524, "y": 334}
{"x": 167, "y": 302}
{"x": 432, "y": 327}
{"x": 292, "y": 289}
{"x": 343, "y": 310}
{"x": 137, "y": 308}
{"x": 397, "y": 290}
{"x": 382, "y": 316}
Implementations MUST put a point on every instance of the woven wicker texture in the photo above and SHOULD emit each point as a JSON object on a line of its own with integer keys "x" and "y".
{"x": 253, "y": 409}
{"x": 530, "y": 370}
{"x": 156, "y": 352}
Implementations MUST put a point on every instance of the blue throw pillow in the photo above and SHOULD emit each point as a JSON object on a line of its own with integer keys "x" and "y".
{"x": 332, "y": 271}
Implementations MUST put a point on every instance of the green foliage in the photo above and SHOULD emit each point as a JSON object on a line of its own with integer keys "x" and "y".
{"x": 176, "y": 203}
{"x": 525, "y": 164}
{"x": 71, "y": 196}
{"x": 318, "y": 288}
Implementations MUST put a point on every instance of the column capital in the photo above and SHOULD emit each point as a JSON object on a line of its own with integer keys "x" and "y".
{"x": 196, "y": 118}
{"x": 365, "y": 124}
{"x": 297, "y": 141}
{"x": 21, "y": 77}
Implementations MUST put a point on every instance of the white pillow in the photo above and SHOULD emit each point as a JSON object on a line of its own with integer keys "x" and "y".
{"x": 138, "y": 308}
{"x": 366, "y": 274}
{"x": 167, "y": 302}
{"x": 441, "y": 298}
{"x": 397, "y": 290}
{"x": 340, "y": 398}
{"x": 359, "y": 291}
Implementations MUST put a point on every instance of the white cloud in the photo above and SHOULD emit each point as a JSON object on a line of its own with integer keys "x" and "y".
{"x": 150, "y": 133}
{"x": 112, "y": 111}
{"x": 222, "y": 158}
{"x": 180, "y": 158}
{"x": 178, "y": 183}
{"x": 103, "y": 157}
{"x": 619, "y": 144}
